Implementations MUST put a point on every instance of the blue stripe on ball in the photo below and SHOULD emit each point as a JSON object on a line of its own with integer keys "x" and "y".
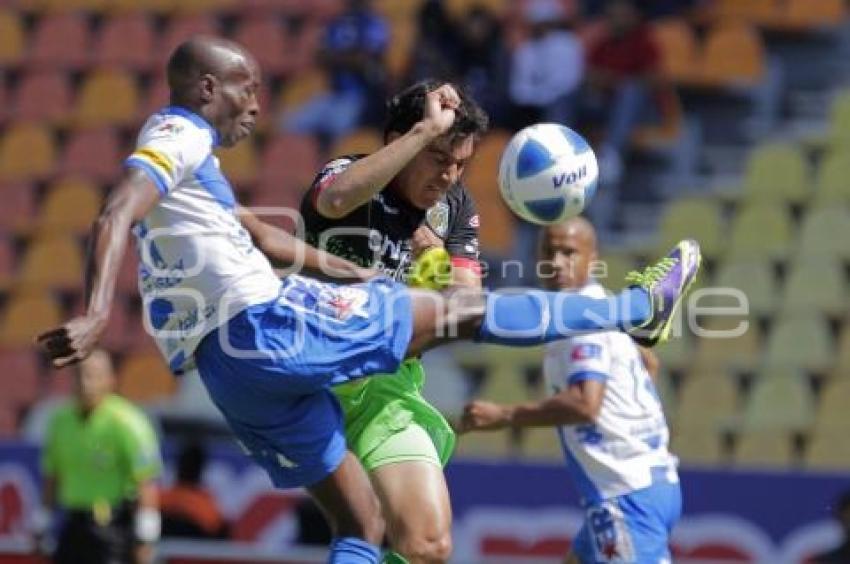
{"x": 548, "y": 209}
{"x": 577, "y": 141}
{"x": 533, "y": 158}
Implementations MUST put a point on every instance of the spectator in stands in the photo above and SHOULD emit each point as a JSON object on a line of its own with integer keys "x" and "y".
{"x": 99, "y": 461}
{"x": 546, "y": 68}
{"x": 188, "y": 509}
{"x": 622, "y": 68}
{"x": 436, "y": 50}
{"x": 841, "y": 553}
{"x": 353, "y": 55}
{"x": 483, "y": 61}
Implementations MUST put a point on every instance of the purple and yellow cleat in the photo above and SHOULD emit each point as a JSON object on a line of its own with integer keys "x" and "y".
{"x": 667, "y": 283}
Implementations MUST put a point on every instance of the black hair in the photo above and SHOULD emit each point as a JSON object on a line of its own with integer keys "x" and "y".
{"x": 406, "y": 108}
{"x": 190, "y": 462}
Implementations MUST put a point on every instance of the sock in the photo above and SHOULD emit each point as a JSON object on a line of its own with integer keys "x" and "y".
{"x": 391, "y": 557}
{"x": 351, "y": 550}
{"x": 534, "y": 317}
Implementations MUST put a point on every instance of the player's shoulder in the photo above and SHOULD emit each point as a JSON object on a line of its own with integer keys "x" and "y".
{"x": 125, "y": 413}
{"x": 173, "y": 124}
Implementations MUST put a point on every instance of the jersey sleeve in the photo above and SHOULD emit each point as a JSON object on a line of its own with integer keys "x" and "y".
{"x": 462, "y": 240}
{"x": 168, "y": 152}
{"x": 589, "y": 359}
{"x": 329, "y": 173}
{"x": 141, "y": 448}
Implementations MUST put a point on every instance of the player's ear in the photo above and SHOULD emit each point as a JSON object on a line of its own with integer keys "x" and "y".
{"x": 207, "y": 85}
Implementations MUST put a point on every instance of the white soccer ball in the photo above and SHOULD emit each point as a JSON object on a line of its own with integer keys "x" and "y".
{"x": 548, "y": 173}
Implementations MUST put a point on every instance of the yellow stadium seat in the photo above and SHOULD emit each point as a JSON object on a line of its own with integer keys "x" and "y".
{"x": 842, "y": 361}
{"x": 832, "y": 185}
{"x": 698, "y": 446}
{"x": 679, "y": 50}
{"x": 800, "y": 341}
{"x": 497, "y": 221}
{"x": 819, "y": 229}
{"x": 741, "y": 353}
{"x": 754, "y": 11}
{"x": 761, "y": 230}
{"x": 12, "y": 37}
{"x": 814, "y": 13}
{"x": 403, "y": 37}
{"x": 52, "y": 261}
{"x": 145, "y": 378}
{"x": 828, "y": 451}
{"x": 699, "y": 219}
{"x": 27, "y": 315}
{"x": 707, "y": 400}
{"x": 541, "y": 443}
{"x": 71, "y": 206}
{"x": 107, "y": 97}
{"x": 240, "y": 162}
{"x": 486, "y": 445}
{"x": 734, "y": 55}
{"x": 302, "y": 87}
{"x": 755, "y": 278}
{"x": 816, "y": 283}
{"x": 365, "y": 140}
{"x": 777, "y": 173}
{"x": 781, "y": 399}
{"x": 764, "y": 449}
{"x": 27, "y": 152}
{"x": 832, "y": 415}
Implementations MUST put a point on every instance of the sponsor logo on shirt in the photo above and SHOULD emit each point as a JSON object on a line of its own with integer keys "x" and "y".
{"x": 475, "y": 221}
{"x": 437, "y": 217}
{"x": 585, "y": 351}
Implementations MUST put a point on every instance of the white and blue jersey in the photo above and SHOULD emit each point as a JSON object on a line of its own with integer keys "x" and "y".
{"x": 198, "y": 266}
{"x": 620, "y": 463}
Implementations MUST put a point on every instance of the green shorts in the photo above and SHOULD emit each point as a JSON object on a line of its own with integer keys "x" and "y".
{"x": 385, "y": 417}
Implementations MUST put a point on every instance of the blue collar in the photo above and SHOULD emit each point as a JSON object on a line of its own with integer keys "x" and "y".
{"x": 194, "y": 118}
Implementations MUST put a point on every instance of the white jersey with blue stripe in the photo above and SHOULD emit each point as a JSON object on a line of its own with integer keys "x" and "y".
{"x": 617, "y": 454}
{"x": 198, "y": 266}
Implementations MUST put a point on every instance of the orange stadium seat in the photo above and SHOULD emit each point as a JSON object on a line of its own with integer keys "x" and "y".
{"x": 814, "y": 13}
{"x": 52, "y": 261}
{"x": 107, "y": 97}
{"x": 403, "y": 36}
{"x": 734, "y": 55}
{"x": 60, "y": 6}
{"x": 497, "y": 222}
{"x": 290, "y": 159}
{"x": 61, "y": 41}
{"x": 71, "y": 205}
{"x": 302, "y": 87}
{"x": 240, "y": 163}
{"x": 145, "y": 378}
{"x": 146, "y": 6}
{"x": 4, "y": 100}
{"x": 365, "y": 140}
{"x": 305, "y": 45}
{"x": 679, "y": 49}
{"x": 759, "y": 12}
{"x": 155, "y": 99}
{"x": 27, "y": 315}
{"x": 92, "y": 153}
{"x": 126, "y": 41}
{"x": 12, "y": 38}
{"x": 27, "y": 152}
{"x": 179, "y": 29}
{"x": 203, "y": 6}
{"x": 265, "y": 39}
{"x": 8, "y": 422}
{"x": 17, "y": 213}
{"x": 7, "y": 263}
{"x": 22, "y": 379}
{"x": 43, "y": 96}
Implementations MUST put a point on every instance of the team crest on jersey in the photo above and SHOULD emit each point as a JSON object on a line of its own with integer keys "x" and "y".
{"x": 346, "y": 302}
{"x": 475, "y": 221}
{"x": 585, "y": 351}
{"x": 438, "y": 218}
{"x": 169, "y": 128}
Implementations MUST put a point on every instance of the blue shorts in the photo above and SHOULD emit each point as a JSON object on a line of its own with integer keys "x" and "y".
{"x": 268, "y": 369}
{"x": 632, "y": 528}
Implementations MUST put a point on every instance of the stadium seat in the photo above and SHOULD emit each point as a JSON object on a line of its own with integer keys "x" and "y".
{"x": 43, "y": 96}
{"x": 612, "y": 269}
{"x": 395, "y": 10}
{"x": 819, "y": 228}
{"x": 126, "y": 41}
{"x": 290, "y": 160}
{"x": 17, "y": 214}
{"x": 365, "y": 141}
{"x": 700, "y": 219}
{"x": 832, "y": 185}
{"x": 71, "y": 205}
{"x": 21, "y": 377}
{"x": 27, "y": 315}
{"x": 816, "y": 283}
{"x": 832, "y": 415}
{"x": 740, "y": 354}
{"x": 842, "y": 361}
{"x": 92, "y": 153}
{"x": 403, "y": 37}
{"x": 733, "y": 56}
{"x": 679, "y": 50}
{"x": 265, "y": 39}
{"x": 777, "y": 173}
{"x": 760, "y": 12}
{"x": 781, "y": 399}
{"x": 761, "y": 231}
{"x": 27, "y": 152}
{"x": 68, "y": 6}
{"x": 8, "y": 423}
{"x": 240, "y": 163}
{"x": 541, "y": 443}
{"x": 764, "y": 449}
{"x": 814, "y": 14}
{"x": 697, "y": 446}
{"x": 52, "y": 261}
{"x": 178, "y": 29}
{"x": 755, "y": 278}
{"x": 107, "y": 97}
{"x": 497, "y": 221}
{"x": 486, "y": 445}
{"x": 707, "y": 400}
{"x": 677, "y": 354}
{"x": 145, "y": 6}
{"x": 145, "y": 378}
{"x": 12, "y": 38}
{"x": 800, "y": 341}
{"x": 7, "y": 263}
{"x": 301, "y": 87}
{"x": 828, "y": 451}
{"x": 60, "y": 41}
{"x": 203, "y": 6}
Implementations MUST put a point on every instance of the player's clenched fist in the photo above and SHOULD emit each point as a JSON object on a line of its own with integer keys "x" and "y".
{"x": 73, "y": 341}
{"x": 439, "y": 112}
{"x": 484, "y": 415}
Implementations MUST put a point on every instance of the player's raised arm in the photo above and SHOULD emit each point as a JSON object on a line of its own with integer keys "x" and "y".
{"x": 283, "y": 247}
{"x": 129, "y": 202}
{"x": 368, "y": 176}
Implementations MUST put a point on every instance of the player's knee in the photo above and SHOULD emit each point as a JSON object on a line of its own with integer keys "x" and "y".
{"x": 429, "y": 548}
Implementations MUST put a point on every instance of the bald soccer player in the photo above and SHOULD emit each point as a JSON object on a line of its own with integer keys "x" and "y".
{"x": 268, "y": 349}
{"x": 608, "y": 419}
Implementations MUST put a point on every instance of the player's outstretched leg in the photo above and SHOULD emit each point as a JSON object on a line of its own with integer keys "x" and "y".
{"x": 532, "y": 317}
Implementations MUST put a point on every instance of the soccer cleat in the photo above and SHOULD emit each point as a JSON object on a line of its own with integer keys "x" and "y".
{"x": 667, "y": 282}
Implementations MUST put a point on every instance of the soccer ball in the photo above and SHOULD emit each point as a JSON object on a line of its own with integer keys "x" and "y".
{"x": 548, "y": 173}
